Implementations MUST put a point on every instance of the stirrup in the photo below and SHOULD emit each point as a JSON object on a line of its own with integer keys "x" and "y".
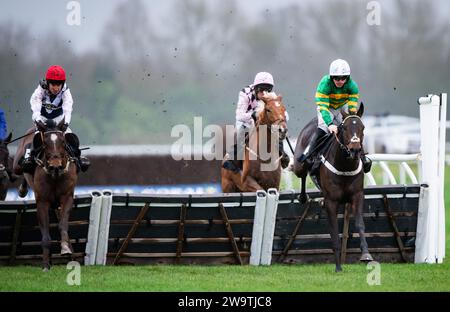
{"x": 84, "y": 164}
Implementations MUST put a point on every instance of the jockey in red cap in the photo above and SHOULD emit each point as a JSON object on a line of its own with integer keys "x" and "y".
{"x": 52, "y": 102}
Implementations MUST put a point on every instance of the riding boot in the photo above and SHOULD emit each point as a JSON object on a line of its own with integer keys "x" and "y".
{"x": 284, "y": 157}
{"x": 230, "y": 164}
{"x": 311, "y": 147}
{"x": 367, "y": 162}
{"x": 28, "y": 164}
{"x": 83, "y": 162}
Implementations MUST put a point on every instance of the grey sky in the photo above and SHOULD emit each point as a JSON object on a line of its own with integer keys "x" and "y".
{"x": 44, "y": 16}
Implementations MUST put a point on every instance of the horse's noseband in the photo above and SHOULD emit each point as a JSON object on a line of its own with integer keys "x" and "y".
{"x": 43, "y": 164}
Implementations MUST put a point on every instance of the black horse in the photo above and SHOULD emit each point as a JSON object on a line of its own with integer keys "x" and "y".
{"x": 340, "y": 176}
{"x": 5, "y": 167}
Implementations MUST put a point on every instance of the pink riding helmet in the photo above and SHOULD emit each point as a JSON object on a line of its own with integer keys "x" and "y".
{"x": 263, "y": 78}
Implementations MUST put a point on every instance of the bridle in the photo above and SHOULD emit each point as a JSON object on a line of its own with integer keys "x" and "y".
{"x": 43, "y": 164}
{"x": 354, "y": 139}
{"x": 275, "y": 125}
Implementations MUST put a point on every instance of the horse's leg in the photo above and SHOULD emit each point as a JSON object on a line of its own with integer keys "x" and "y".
{"x": 301, "y": 172}
{"x": 66, "y": 206}
{"x": 228, "y": 186}
{"x": 303, "y": 198}
{"x": 250, "y": 185}
{"x": 43, "y": 220}
{"x": 332, "y": 207}
{"x": 358, "y": 206}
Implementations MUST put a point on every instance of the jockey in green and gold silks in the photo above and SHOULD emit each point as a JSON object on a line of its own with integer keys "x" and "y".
{"x": 329, "y": 96}
{"x": 335, "y": 91}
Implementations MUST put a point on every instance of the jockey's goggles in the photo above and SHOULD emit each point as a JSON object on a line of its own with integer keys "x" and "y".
{"x": 264, "y": 87}
{"x": 55, "y": 82}
{"x": 340, "y": 78}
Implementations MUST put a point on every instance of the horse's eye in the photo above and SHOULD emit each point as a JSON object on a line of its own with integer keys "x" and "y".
{"x": 268, "y": 110}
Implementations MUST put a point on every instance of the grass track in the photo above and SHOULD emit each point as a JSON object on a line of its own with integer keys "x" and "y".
{"x": 168, "y": 278}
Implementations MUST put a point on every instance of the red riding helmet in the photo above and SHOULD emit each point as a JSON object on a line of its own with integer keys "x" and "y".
{"x": 55, "y": 73}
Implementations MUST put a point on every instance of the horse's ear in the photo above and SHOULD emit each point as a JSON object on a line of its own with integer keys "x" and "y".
{"x": 61, "y": 123}
{"x": 279, "y": 97}
{"x": 8, "y": 138}
{"x": 360, "y": 110}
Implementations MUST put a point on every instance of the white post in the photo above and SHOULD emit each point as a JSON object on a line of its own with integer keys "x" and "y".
{"x": 258, "y": 227}
{"x": 94, "y": 221}
{"x": 441, "y": 173}
{"x": 103, "y": 232}
{"x": 426, "y": 234}
{"x": 401, "y": 172}
{"x": 269, "y": 226}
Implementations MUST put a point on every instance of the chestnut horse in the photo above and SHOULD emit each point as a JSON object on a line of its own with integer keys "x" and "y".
{"x": 340, "y": 176}
{"x": 53, "y": 183}
{"x": 261, "y": 165}
{"x": 5, "y": 172}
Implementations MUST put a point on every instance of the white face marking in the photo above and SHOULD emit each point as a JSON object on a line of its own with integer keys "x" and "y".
{"x": 277, "y": 104}
{"x": 354, "y": 122}
{"x": 53, "y": 138}
{"x": 354, "y": 139}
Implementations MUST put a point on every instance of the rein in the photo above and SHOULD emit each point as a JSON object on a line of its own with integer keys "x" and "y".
{"x": 41, "y": 164}
{"x": 19, "y": 138}
{"x": 343, "y": 147}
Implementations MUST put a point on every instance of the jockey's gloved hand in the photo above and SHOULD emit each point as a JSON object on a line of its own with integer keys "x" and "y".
{"x": 333, "y": 128}
{"x": 64, "y": 127}
{"x": 40, "y": 125}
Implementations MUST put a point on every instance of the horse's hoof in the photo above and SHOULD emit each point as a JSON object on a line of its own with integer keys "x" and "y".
{"x": 22, "y": 191}
{"x": 366, "y": 257}
{"x": 46, "y": 268}
{"x": 338, "y": 269}
{"x": 65, "y": 249}
{"x": 303, "y": 198}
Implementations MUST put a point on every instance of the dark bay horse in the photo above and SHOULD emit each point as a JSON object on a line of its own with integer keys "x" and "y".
{"x": 53, "y": 183}
{"x": 261, "y": 166}
{"x": 5, "y": 167}
{"x": 340, "y": 176}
